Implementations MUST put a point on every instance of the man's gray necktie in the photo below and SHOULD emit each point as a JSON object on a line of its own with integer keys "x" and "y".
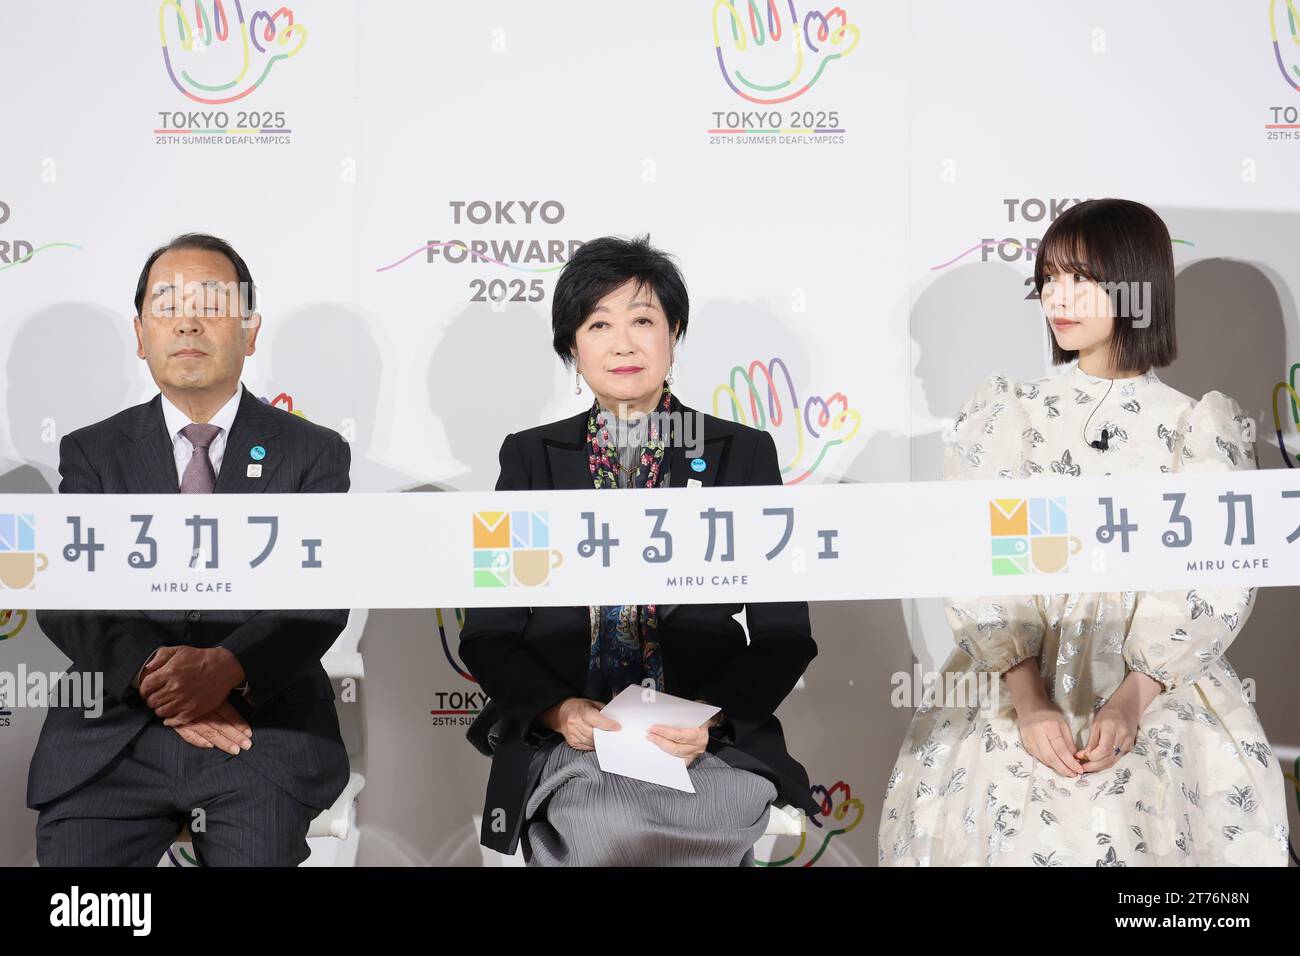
{"x": 199, "y": 477}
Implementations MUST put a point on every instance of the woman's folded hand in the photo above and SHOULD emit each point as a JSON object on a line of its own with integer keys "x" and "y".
{"x": 575, "y": 718}
{"x": 685, "y": 742}
{"x": 1045, "y": 734}
{"x": 1115, "y": 725}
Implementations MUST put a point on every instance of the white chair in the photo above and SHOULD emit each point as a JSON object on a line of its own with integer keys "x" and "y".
{"x": 343, "y": 662}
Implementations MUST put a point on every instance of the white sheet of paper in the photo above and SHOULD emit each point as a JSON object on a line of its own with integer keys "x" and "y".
{"x": 628, "y": 753}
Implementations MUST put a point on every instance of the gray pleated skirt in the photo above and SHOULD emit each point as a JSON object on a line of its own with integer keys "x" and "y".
{"x": 581, "y": 816}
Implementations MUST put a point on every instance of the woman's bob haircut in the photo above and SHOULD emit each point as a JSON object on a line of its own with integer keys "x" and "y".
{"x": 1124, "y": 247}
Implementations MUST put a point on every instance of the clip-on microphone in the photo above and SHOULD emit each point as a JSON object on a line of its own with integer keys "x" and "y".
{"x": 1104, "y": 443}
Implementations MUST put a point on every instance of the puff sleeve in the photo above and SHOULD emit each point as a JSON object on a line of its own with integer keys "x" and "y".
{"x": 987, "y": 442}
{"x": 1176, "y": 636}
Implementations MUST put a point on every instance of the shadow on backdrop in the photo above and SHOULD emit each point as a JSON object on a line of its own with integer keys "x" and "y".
{"x": 489, "y": 374}
{"x": 326, "y": 359}
{"x": 1237, "y": 334}
{"x": 69, "y": 365}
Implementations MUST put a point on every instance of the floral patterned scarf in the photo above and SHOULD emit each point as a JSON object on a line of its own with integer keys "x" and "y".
{"x": 624, "y": 638}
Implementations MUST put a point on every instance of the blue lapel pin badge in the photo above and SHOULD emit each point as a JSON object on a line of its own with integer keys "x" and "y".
{"x": 698, "y": 464}
{"x": 257, "y": 453}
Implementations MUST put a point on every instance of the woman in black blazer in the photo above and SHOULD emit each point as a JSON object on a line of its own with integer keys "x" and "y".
{"x": 619, "y": 309}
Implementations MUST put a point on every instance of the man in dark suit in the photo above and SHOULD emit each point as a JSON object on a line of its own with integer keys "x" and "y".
{"x": 222, "y": 721}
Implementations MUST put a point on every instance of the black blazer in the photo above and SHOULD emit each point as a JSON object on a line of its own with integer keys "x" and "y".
{"x": 296, "y": 742}
{"x": 528, "y": 659}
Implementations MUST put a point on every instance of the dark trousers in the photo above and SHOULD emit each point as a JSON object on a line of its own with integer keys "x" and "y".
{"x": 131, "y": 812}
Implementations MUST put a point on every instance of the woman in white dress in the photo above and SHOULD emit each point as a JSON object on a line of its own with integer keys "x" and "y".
{"x": 1119, "y": 734}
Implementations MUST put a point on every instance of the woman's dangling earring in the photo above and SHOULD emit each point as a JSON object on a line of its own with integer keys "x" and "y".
{"x": 577, "y": 381}
{"x": 669, "y": 379}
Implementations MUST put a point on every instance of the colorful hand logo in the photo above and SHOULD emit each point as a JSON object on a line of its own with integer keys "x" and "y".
{"x": 840, "y": 813}
{"x": 828, "y": 421}
{"x": 1286, "y": 41}
{"x": 11, "y": 623}
{"x": 781, "y": 58}
{"x": 446, "y": 645}
{"x": 262, "y": 41}
{"x": 284, "y": 400}
{"x": 1290, "y": 388}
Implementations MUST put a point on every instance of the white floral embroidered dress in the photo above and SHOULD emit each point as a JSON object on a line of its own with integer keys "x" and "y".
{"x": 1201, "y": 786}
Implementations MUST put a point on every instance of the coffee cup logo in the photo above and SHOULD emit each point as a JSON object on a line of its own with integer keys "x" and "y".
{"x": 1029, "y": 535}
{"x": 513, "y": 548}
{"x": 533, "y": 566}
{"x": 20, "y": 562}
{"x": 1051, "y": 553}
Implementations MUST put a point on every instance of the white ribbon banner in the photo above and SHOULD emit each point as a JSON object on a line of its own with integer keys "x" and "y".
{"x": 670, "y": 545}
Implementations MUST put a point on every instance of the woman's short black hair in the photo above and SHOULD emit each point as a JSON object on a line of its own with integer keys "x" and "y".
{"x": 601, "y": 266}
{"x": 201, "y": 240}
{"x": 1124, "y": 246}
